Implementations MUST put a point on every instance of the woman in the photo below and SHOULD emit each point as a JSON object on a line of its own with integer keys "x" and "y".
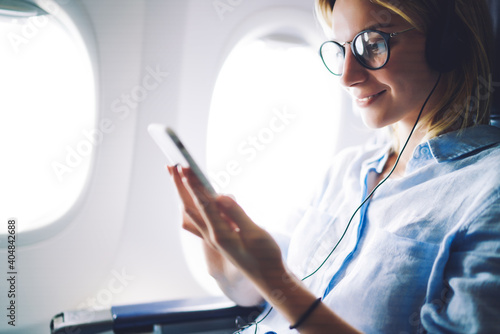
{"x": 422, "y": 252}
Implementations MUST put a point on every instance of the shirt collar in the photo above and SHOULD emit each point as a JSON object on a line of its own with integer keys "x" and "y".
{"x": 445, "y": 147}
{"x": 454, "y": 145}
{"x": 378, "y": 159}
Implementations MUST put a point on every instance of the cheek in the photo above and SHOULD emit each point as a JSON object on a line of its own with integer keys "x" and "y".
{"x": 411, "y": 62}
{"x": 410, "y": 74}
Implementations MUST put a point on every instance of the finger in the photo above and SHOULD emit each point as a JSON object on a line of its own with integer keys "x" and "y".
{"x": 189, "y": 225}
{"x": 202, "y": 193}
{"x": 195, "y": 224}
{"x": 177, "y": 178}
{"x": 235, "y": 213}
{"x": 194, "y": 186}
{"x": 170, "y": 169}
{"x": 184, "y": 194}
{"x": 219, "y": 227}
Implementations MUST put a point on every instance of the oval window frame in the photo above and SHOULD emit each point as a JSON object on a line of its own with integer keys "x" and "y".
{"x": 68, "y": 15}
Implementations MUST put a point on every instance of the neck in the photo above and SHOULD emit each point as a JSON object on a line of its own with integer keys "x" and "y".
{"x": 408, "y": 135}
{"x": 402, "y": 132}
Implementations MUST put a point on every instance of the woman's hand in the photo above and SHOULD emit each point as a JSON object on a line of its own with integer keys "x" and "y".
{"x": 232, "y": 235}
{"x": 226, "y": 228}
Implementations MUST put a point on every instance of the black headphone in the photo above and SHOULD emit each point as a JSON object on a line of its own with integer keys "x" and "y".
{"x": 445, "y": 49}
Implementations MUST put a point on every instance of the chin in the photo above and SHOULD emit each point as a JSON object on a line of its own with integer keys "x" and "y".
{"x": 374, "y": 122}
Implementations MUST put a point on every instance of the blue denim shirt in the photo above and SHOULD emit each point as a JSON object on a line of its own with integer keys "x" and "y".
{"x": 422, "y": 255}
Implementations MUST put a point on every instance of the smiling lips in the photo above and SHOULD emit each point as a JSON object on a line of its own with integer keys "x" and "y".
{"x": 365, "y": 101}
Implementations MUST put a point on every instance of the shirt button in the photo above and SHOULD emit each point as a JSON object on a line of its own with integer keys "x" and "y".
{"x": 271, "y": 333}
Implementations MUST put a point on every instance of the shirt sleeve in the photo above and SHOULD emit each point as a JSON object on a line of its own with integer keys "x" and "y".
{"x": 464, "y": 290}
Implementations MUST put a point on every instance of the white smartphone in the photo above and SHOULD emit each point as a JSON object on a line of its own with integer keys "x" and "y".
{"x": 177, "y": 153}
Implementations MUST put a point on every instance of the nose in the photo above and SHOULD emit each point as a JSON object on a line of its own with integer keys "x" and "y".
{"x": 354, "y": 72}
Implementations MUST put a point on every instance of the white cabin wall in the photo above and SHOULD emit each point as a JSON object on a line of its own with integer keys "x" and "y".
{"x": 77, "y": 266}
{"x": 151, "y": 248}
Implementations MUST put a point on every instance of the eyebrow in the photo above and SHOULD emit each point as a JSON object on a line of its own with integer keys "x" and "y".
{"x": 374, "y": 26}
{"x": 378, "y": 25}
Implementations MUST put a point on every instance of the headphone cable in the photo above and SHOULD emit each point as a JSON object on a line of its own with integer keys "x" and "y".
{"x": 257, "y": 322}
{"x": 380, "y": 183}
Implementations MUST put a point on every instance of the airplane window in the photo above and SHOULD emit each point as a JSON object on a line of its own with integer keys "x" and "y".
{"x": 272, "y": 127}
{"x": 47, "y": 131}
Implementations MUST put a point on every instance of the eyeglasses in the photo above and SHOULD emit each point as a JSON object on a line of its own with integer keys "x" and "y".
{"x": 369, "y": 47}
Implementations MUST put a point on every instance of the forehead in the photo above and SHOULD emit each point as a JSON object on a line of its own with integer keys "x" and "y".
{"x": 352, "y": 16}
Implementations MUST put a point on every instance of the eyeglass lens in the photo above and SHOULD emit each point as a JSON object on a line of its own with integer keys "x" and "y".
{"x": 369, "y": 47}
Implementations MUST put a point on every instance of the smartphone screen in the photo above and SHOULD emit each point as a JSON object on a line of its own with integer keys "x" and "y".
{"x": 177, "y": 153}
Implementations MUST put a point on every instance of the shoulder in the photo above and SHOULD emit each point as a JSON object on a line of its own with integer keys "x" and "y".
{"x": 473, "y": 143}
{"x": 470, "y": 158}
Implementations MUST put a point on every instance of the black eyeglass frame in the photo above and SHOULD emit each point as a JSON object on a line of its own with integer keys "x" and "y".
{"x": 386, "y": 36}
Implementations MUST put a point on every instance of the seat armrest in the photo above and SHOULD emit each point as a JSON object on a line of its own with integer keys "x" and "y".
{"x": 214, "y": 313}
{"x": 82, "y": 322}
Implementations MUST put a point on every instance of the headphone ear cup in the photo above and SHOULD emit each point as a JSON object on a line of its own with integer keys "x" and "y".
{"x": 444, "y": 48}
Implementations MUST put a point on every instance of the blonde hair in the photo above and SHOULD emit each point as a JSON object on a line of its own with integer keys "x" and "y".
{"x": 464, "y": 102}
